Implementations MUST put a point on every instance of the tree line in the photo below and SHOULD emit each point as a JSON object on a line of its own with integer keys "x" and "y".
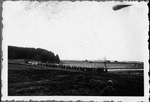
{"x": 32, "y": 54}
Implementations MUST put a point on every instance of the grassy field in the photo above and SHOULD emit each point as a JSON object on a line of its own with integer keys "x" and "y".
{"x": 26, "y": 80}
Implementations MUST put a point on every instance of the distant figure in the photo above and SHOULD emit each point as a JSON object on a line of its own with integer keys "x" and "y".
{"x": 109, "y": 90}
{"x": 105, "y": 66}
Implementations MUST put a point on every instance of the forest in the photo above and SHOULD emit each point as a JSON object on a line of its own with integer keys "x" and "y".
{"x": 36, "y": 54}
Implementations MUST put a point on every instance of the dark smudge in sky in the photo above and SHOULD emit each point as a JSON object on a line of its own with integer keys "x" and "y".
{"x": 118, "y": 7}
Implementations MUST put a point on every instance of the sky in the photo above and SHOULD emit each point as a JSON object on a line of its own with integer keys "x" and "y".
{"x": 78, "y": 30}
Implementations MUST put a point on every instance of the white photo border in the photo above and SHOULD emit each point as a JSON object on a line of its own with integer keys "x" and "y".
{"x": 4, "y": 77}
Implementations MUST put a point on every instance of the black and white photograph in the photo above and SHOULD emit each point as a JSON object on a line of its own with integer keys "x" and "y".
{"x": 75, "y": 50}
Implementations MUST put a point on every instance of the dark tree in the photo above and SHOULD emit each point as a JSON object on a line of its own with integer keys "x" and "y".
{"x": 57, "y": 58}
{"x": 32, "y": 54}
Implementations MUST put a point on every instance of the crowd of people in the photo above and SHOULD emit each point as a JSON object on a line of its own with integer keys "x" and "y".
{"x": 69, "y": 67}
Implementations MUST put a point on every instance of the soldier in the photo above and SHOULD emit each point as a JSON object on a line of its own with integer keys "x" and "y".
{"x": 105, "y": 66}
{"x": 109, "y": 90}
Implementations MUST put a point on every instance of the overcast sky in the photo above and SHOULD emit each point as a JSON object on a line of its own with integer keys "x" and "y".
{"x": 78, "y": 30}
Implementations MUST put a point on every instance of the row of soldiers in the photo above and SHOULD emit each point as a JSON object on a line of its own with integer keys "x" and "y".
{"x": 78, "y": 68}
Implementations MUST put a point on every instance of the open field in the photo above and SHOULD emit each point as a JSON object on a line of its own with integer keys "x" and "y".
{"x": 28, "y": 80}
{"x": 110, "y": 65}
